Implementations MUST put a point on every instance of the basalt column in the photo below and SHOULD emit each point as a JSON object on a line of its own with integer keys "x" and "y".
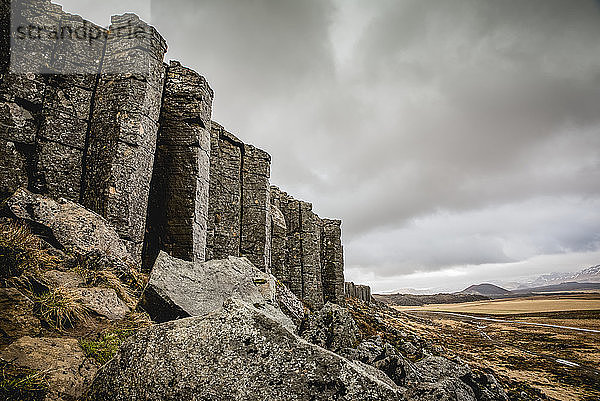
{"x": 362, "y": 292}
{"x": 239, "y": 221}
{"x": 332, "y": 260}
{"x": 279, "y": 232}
{"x": 122, "y": 140}
{"x": 46, "y": 99}
{"x": 255, "y": 218}
{"x": 304, "y": 252}
{"x": 225, "y": 194}
{"x": 311, "y": 256}
{"x": 178, "y": 205}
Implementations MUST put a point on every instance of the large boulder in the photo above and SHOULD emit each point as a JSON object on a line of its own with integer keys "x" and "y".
{"x": 61, "y": 360}
{"x": 384, "y": 357}
{"x": 442, "y": 379}
{"x": 331, "y": 327}
{"x": 16, "y": 316}
{"x": 236, "y": 353}
{"x": 103, "y": 302}
{"x": 178, "y": 289}
{"x": 68, "y": 225}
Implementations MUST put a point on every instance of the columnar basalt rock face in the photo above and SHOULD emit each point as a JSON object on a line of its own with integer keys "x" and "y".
{"x": 178, "y": 205}
{"x": 332, "y": 260}
{"x": 255, "y": 219}
{"x": 45, "y": 117}
{"x": 279, "y": 244}
{"x": 124, "y": 126}
{"x": 310, "y": 228}
{"x": 296, "y": 260}
{"x": 87, "y": 120}
{"x": 80, "y": 107}
{"x": 225, "y": 194}
{"x": 239, "y": 212}
{"x": 361, "y": 292}
{"x": 309, "y": 257}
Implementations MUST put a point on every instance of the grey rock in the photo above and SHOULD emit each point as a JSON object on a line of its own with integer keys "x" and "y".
{"x": 303, "y": 250}
{"x": 435, "y": 368}
{"x": 384, "y": 357}
{"x": 103, "y": 302}
{"x": 444, "y": 390}
{"x": 289, "y": 304}
{"x": 360, "y": 292}
{"x": 485, "y": 386}
{"x": 332, "y": 327}
{"x": 279, "y": 247}
{"x": 332, "y": 261}
{"x": 437, "y": 375}
{"x": 237, "y": 353}
{"x": 178, "y": 206}
{"x": 16, "y": 315}
{"x": 68, "y": 371}
{"x": 57, "y": 278}
{"x": 239, "y": 222}
{"x": 179, "y": 288}
{"x": 225, "y": 194}
{"x": 123, "y": 129}
{"x": 70, "y": 224}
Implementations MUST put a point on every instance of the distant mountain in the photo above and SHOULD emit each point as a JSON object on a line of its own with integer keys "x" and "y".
{"x": 587, "y": 275}
{"x": 562, "y": 287}
{"x": 419, "y": 300}
{"x": 485, "y": 290}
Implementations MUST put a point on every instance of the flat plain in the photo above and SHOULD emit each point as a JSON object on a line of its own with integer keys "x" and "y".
{"x": 546, "y": 343}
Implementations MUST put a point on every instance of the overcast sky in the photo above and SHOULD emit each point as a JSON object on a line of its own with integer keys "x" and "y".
{"x": 458, "y": 140}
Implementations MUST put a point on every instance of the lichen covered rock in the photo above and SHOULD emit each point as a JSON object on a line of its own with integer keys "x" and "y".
{"x": 179, "y": 288}
{"x": 237, "y": 353}
{"x": 331, "y": 327}
{"x": 68, "y": 225}
{"x": 68, "y": 371}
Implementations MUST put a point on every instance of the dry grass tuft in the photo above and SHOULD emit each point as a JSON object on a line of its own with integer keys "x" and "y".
{"x": 18, "y": 384}
{"x": 61, "y": 307}
{"x": 106, "y": 278}
{"x": 21, "y": 251}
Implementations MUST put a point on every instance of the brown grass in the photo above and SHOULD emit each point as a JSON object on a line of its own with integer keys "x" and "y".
{"x": 21, "y": 251}
{"x": 534, "y": 304}
{"x": 61, "y": 307}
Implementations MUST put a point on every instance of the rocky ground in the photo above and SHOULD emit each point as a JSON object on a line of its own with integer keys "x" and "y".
{"x": 78, "y": 322}
{"x": 529, "y": 361}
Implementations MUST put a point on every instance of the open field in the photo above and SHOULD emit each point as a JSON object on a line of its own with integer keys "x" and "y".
{"x": 533, "y": 304}
{"x": 547, "y": 343}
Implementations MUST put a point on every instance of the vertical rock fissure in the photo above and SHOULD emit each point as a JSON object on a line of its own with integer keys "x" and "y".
{"x": 242, "y": 157}
{"x": 88, "y": 131}
{"x": 301, "y": 235}
{"x": 36, "y": 180}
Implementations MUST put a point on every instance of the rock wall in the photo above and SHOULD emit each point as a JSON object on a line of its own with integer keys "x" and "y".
{"x": 80, "y": 112}
{"x": 178, "y": 206}
{"x": 306, "y": 251}
{"x": 332, "y": 259}
{"x": 362, "y": 292}
{"x": 102, "y": 121}
{"x": 239, "y": 222}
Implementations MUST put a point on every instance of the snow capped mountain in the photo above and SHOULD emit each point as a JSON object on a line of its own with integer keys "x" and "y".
{"x": 587, "y": 275}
